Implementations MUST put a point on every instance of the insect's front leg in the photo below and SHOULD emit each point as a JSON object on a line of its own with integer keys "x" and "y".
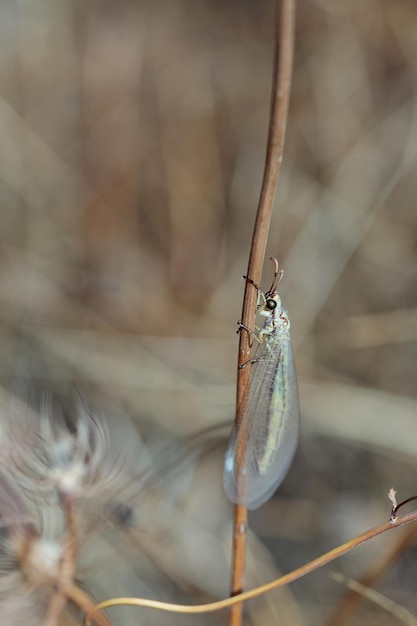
{"x": 250, "y": 362}
{"x": 257, "y": 334}
{"x": 261, "y": 296}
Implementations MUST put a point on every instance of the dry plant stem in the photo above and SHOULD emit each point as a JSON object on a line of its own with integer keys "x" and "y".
{"x": 353, "y": 599}
{"x": 258, "y": 591}
{"x": 283, "y": 60}
{"x": 68, "y": 590}
{"x": 82, "y": 600}
{"x": 67, "y": 567}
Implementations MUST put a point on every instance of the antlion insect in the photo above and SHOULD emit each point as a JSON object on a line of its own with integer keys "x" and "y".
{"x": 262, "y": 445}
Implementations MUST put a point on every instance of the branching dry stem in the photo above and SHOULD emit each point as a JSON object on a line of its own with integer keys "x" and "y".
{"x": 82, "y": 600}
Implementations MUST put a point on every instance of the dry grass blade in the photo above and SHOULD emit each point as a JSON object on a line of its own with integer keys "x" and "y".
{"x": 374, "y": 573}
{"x": 398, "y": 611}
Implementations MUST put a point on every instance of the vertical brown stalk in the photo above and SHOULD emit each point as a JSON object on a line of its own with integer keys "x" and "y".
{"x": 284, "y": 47}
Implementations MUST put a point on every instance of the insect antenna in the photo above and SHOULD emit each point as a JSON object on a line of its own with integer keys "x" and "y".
{"x": 278, "y": 274}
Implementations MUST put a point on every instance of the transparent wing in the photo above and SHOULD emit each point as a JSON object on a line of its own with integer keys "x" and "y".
{"x": 261, "y": 448}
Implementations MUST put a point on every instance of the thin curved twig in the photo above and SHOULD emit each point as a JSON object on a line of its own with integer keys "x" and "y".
{"x": 258, "y": 591}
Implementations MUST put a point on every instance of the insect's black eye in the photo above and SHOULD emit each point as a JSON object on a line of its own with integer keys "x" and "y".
{"x": 271, "y": 304}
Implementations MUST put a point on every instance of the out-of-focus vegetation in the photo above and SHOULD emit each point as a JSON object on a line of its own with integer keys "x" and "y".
{"x": 132, "y": 146}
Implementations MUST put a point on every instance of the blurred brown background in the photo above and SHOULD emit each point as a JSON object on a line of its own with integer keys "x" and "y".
{"x": 132, "y": 147}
